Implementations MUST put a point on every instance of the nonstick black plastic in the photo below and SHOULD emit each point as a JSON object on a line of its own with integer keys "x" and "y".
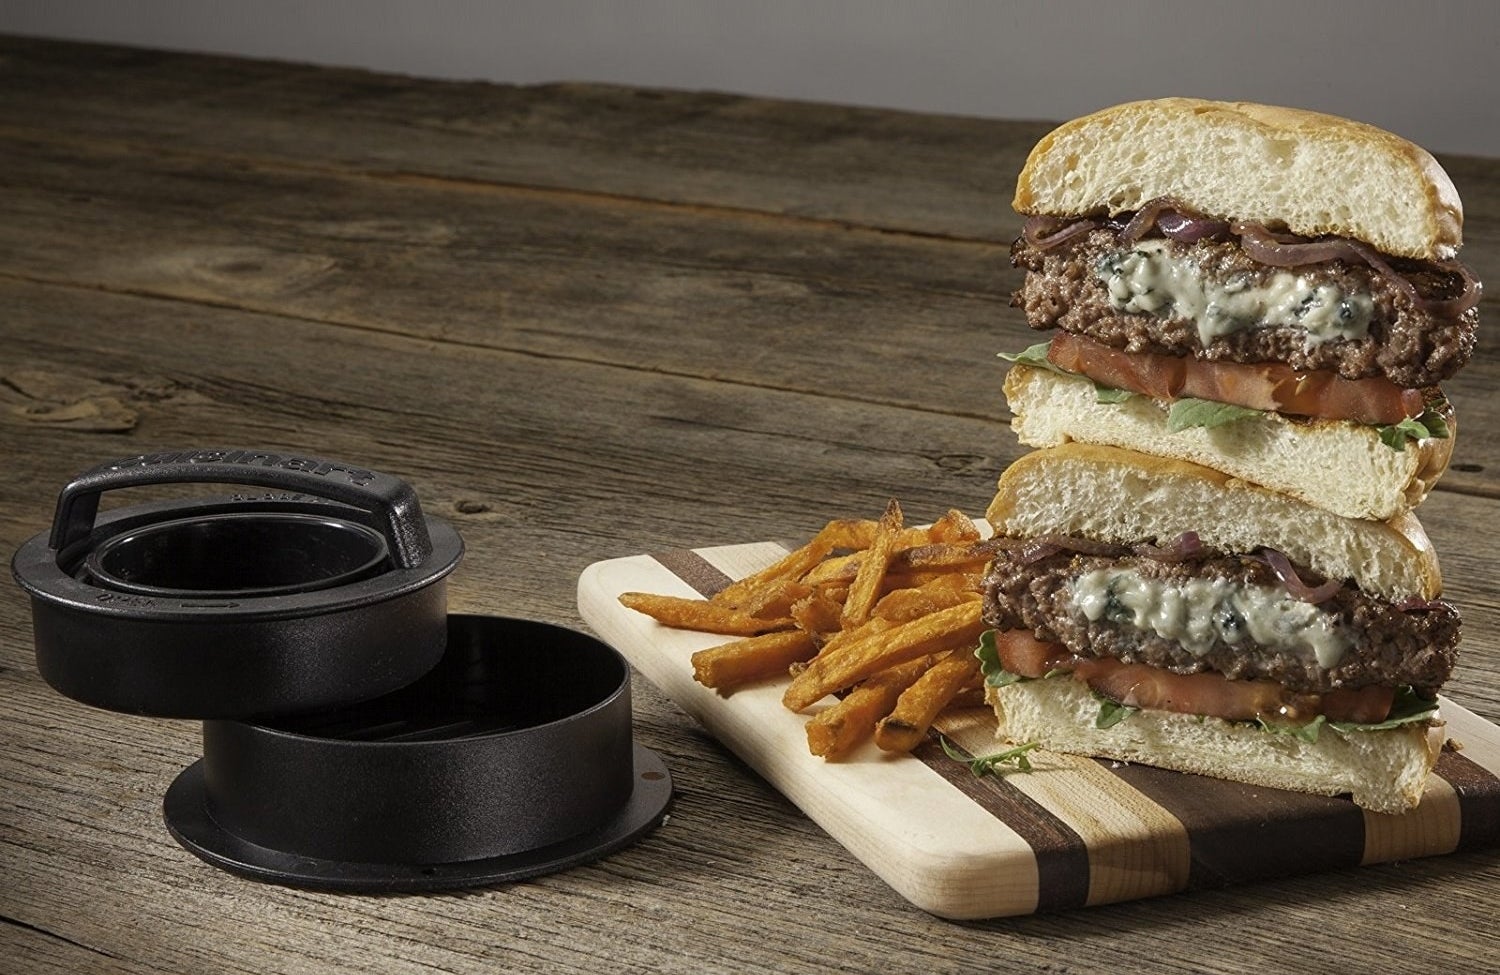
{"x": 512, "y": 757}
{"x": 325, "y": 589}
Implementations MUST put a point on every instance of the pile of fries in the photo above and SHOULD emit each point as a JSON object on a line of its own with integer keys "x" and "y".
{"x": 883, "y": 616}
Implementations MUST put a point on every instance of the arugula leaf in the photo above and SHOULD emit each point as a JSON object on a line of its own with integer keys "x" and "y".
{"x": 1036, "y": 357}
{"x": 1428, "y": 423}
{"x": 994, "y": 764}
{"x": 1111, "y": 713}
{"x": 1409, "y": 707}
{"x": 1107, "y": 394}
{"x": 1303, "y": 732}
{"x": 995, "y": 674}
{"x": 1186, "y": 413}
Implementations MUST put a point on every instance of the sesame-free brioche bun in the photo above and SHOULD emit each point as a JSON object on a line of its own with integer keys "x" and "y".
{"x": 1114, "y": 495}
{"x": 1382, "y": 771}
{"x": 1339, "y": 465}
{"x": 1307, "y": 172}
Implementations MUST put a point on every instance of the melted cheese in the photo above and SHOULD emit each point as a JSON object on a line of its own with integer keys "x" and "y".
{"x": 1201, "y": 611}
{"x": 1147, "y": 278}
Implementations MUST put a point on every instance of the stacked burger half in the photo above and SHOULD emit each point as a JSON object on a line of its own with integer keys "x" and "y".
{"x": 1216, "y": 566}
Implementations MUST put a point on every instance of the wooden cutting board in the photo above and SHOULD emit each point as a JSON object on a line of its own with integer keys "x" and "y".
{"x": 1074, "y": 832}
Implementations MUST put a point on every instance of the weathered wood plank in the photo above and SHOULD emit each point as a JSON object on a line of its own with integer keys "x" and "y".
{"x": 80, "y": 819}
{"x": 929, "y": 174}
{"x": 846, "y": 312}
{"x": 565, "y": 315}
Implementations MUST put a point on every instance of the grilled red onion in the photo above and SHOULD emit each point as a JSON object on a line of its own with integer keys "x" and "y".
{"x": 1467, "y": 297}
{"x": 1416, "y": 604}
{"x": 1184, "y": 548}
{"x": 1283, "y": 250}
{"x": 1289, "y": 250}
{"x": 1038, "y": 547}
{"x": 1284, "y": 570}
{"x": 1145, "y": 218}
{"x": 1188, "y": 228}
{"x": 1044, "y": 232}
{"x": 1035, "y": 550}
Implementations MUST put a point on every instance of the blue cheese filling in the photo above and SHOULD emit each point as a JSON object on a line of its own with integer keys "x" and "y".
{"x": 1201, "y": 611}
{"x": 1148, "y": 278}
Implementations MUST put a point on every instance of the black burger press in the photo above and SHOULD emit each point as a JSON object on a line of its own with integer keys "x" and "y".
{"x": 356, "y": 737}
{"x": 512, "y": 758}
{"x": 325, "y": 587}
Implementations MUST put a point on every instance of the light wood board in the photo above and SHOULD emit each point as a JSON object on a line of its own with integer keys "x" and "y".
{"x": 1073, "y": 832}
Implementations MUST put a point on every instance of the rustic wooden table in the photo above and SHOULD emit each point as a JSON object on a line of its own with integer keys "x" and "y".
{"x": 584, "y": 322}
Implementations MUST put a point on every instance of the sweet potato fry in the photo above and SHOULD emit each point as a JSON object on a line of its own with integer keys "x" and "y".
{"x": 953, "y": 526}
{"x": 838, "y": 570}
{"x": 867, "y": 581}
{"x": 905, "y": 727}
{"x": 793, "y": 565}
{"x": 733, "y": 665}
{"x": 818, "y": 612}
{"x": 900, "y": 605}
{"x": 926, "y": 557}
{"x": 852, "y": 661}
{"x": 837, "y": 729}
{"x": 775, "y": 599}
{"x": 701, "y": 614}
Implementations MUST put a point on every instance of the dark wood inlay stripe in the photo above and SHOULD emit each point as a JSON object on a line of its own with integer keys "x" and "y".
{"x": 1478, "y": 799}
{"x": 1239, "y": 833}
{"x": 1062, "y": 859}
{"x": 694, "y": 570}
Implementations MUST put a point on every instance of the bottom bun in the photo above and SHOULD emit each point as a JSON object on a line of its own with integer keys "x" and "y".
{"x": 1334, "y": 464}
{"x": 1383, "y": 771}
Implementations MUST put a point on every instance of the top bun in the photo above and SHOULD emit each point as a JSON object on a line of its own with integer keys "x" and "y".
{"x": 1124, "y": 497}
{"x": 1311, "y": 173}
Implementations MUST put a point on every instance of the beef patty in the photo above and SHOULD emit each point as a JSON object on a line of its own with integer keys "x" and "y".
{"x": 1406, "y": 344}
{"x": 1389, "y": 647}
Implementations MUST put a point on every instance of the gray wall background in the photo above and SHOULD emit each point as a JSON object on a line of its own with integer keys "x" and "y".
{"x": 1426, "y": 69}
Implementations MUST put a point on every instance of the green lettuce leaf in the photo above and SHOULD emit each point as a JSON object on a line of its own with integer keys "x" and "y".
{"x": 1111, "y": 713}
{"x": 1408, "y": 708}
{"x": 1429, "y": 423}
{"x": 1036, "y": 356}
{"x": 1187, "y": 413}
{"x": 1000, "y": 763}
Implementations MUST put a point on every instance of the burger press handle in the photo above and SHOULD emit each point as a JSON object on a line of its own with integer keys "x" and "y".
{"x": 391, "y": 500}
{"x": 259, "y": 603}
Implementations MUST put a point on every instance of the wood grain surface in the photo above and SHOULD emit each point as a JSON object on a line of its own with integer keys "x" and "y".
{"x": 1073, "y": 832}
{"x": 584, "y": 322}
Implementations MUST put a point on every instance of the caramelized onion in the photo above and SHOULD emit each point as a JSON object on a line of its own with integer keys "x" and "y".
{"x": 1282, "y": 250}
{"x": 1284, "y": 570}
{"x": 1035, "y": 550}
{"x": 1184, "y": 548}
{"x": 1044, "y": 232}
{"x": 1039, "y": 547}
{"x": 1289, "y": 250}
{"x": 1189, "y": 228}
{"x": 1145, "y": 218}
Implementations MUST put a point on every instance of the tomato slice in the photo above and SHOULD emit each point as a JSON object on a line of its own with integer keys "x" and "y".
{"x": 1273, "y": 386}
{"x": 1207, "y": 693}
